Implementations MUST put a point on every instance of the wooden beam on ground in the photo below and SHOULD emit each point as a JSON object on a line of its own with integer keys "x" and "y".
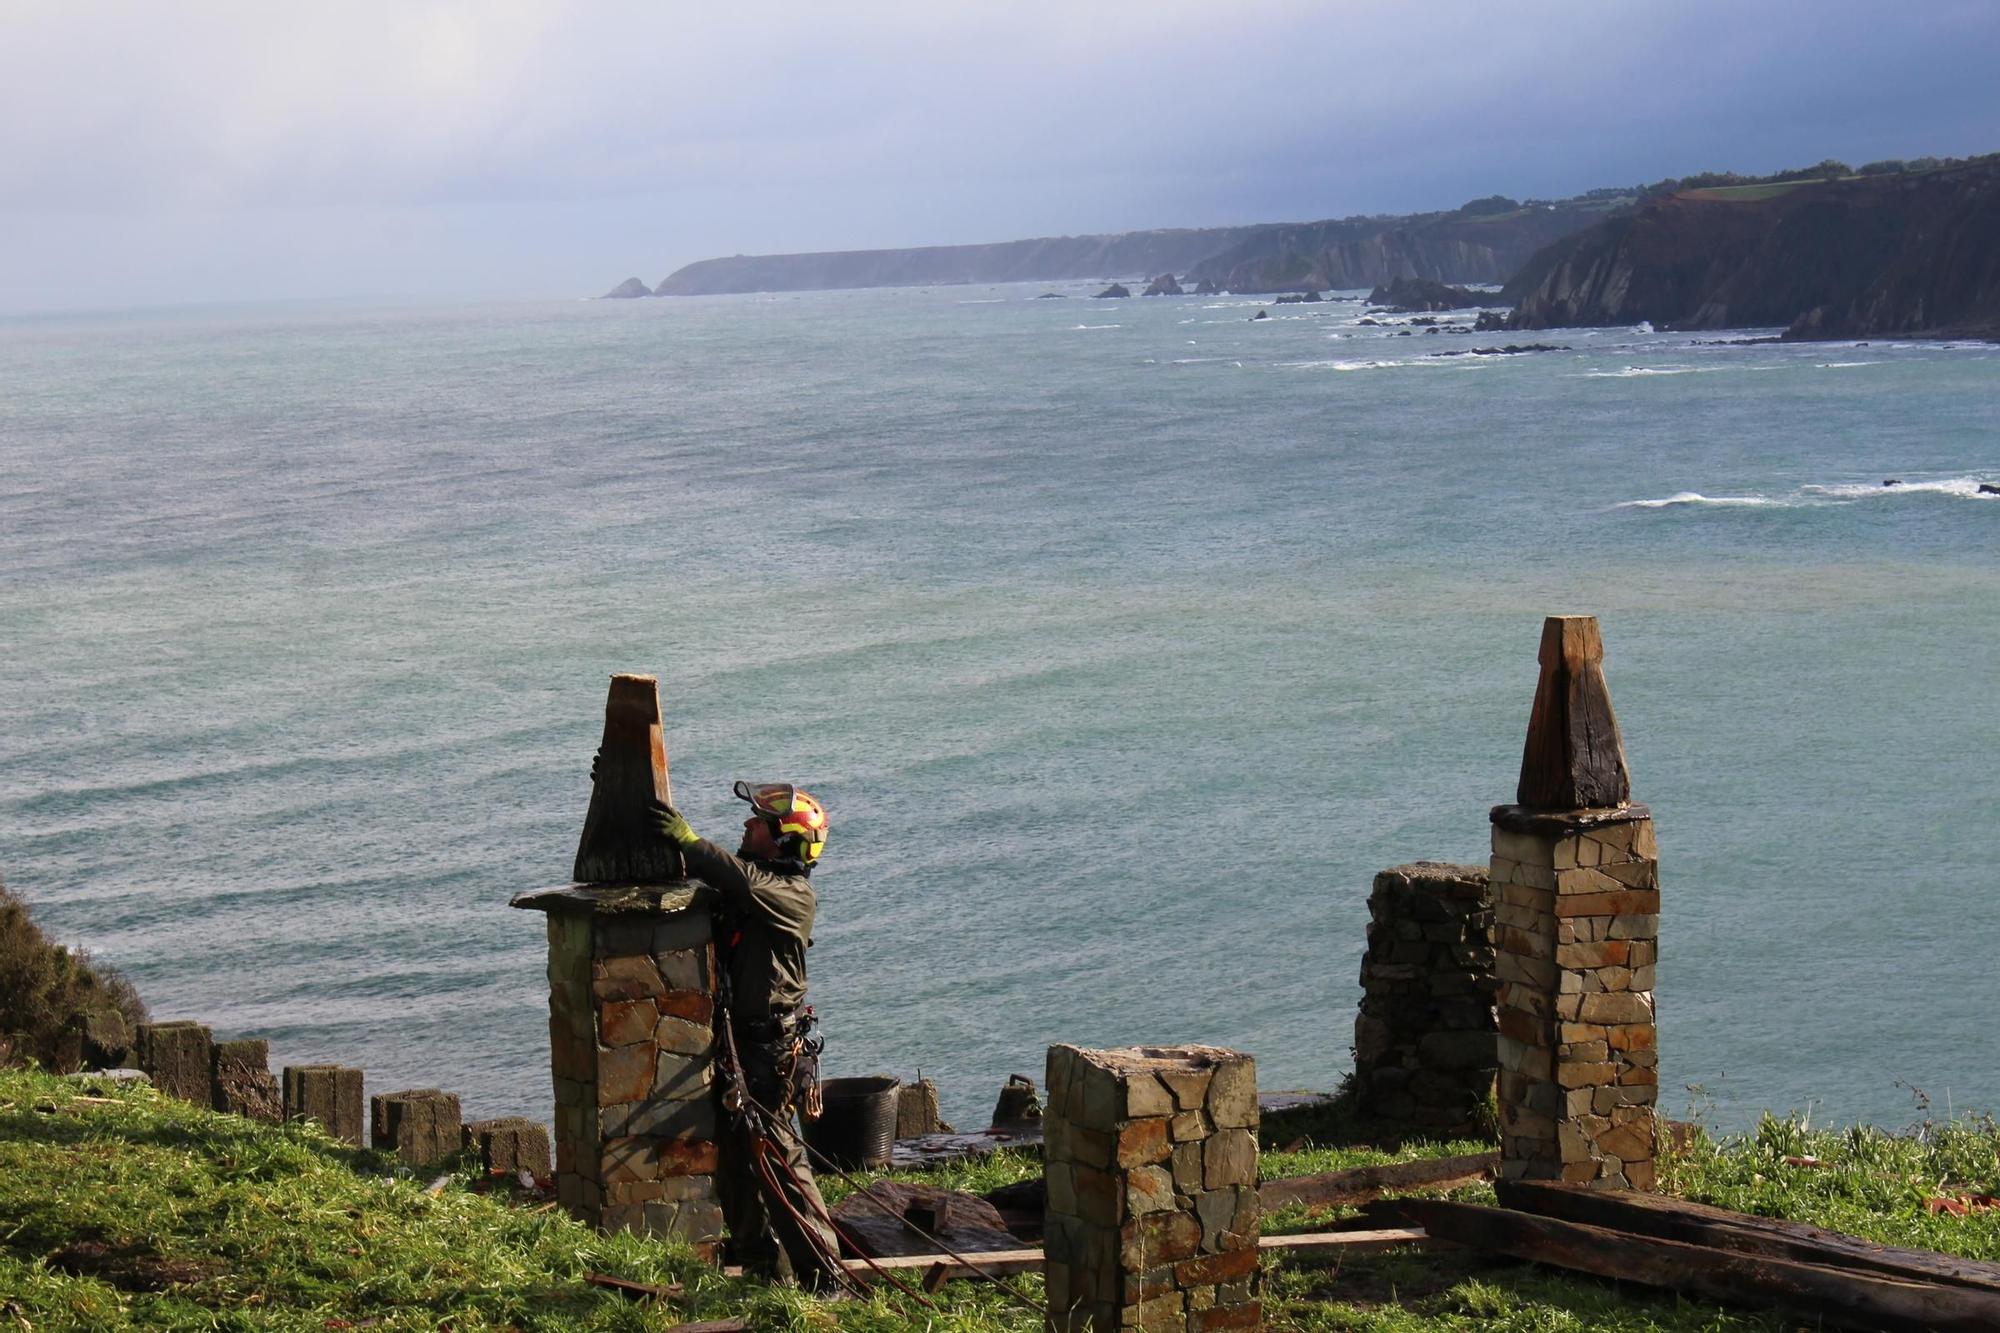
{"x": 1701, "y": 1224}
{"x": 1839, "y": 1296}
{"x": 638, "y": 1291}
{"x": 937, "y": 1269}
{"x": 1361, "y": 1183}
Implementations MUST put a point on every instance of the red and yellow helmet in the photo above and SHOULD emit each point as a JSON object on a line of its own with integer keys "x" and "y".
{"x": 798, "y": 820}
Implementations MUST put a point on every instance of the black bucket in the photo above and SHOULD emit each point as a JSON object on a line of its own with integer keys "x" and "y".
{"x": 857, "y": 1128}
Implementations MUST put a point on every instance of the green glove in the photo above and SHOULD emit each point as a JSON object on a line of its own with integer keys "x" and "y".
{"x": 671, "y": 825}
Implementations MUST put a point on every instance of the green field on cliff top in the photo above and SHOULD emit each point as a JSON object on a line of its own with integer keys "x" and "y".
{"x": 121, "y": 1208}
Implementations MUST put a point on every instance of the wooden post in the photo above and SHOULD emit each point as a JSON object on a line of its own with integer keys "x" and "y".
{"x": 1575, "y": 882}
{"x": 618, "y": 842}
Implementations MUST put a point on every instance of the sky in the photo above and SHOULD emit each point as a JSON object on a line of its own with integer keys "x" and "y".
{"x": 166, "y": 153}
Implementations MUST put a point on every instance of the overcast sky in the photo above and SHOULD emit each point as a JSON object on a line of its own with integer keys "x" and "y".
{"x": 167, "y": 152}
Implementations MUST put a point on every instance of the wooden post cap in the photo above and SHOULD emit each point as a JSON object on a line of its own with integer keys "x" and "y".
{"x": 1574, "y": 758}
{"x": 618, "y": 841}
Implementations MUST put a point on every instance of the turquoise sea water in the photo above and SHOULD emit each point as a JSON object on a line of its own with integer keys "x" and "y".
{"x": 1124, "y": 640}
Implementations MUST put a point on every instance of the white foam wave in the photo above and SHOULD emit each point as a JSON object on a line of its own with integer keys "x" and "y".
{"x": 1697, "y": 498}
{"x": 1639, "y": 372}
{"x": 1962, "y": 488}
{"x": 1340, "y": 365}
{"x": 1843, "y": 365}
{"x": 1081, "y": 327}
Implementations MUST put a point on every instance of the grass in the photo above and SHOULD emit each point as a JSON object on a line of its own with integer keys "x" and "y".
{"x": 131, "y": 1210}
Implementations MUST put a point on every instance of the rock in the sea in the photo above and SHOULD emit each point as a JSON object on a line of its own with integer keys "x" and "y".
{"x": 1296, "y": 298}
{"x": 1988, "y": 488}
{"x": 627, "y": 289}
{"x": 1115, "y": 289}
{"x": 1207, "y": 287}
{"x": 1165, "y": 285}
{"x": 1414, "y": 295}
{"x": 1052, "y": 296}
{"x": 1261, "y": 314}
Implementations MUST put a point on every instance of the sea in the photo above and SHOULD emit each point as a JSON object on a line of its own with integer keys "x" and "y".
{"x": 1125, "y": 640}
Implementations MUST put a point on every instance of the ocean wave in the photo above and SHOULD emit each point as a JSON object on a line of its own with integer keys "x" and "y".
{"x": 1960, "y": 488}
{"x": 1639, "y": 372}
{"x": 1340, "y": 365}
{"x": 1843, "y": 365}
{"x": 1697, "y": 498}
{"x": 1081, "y": 327}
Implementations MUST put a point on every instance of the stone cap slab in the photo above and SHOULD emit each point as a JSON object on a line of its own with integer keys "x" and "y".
{"x": 1558, "y": 823}
{"x": 609, "y": 899}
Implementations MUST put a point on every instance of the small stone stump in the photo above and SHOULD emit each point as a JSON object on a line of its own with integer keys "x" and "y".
{"x": 420, "y": 1125}
{"x": 240, "y": 1081}
{"x": 177, "y": 1056}
{"x": 917, "y": 1110}
{"x": 1424, "y": 1040}
{"x": 1152, "y": 1217}
{"x": 330, "y": 1094}
{"x": 510, "y": 1144}
{"x": 1575, "y": 876}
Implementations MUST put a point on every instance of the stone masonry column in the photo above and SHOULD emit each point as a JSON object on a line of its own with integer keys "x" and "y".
{"x": 1152, "y": 1189}
{"x": 1576, "y": 887}
{"x": 632, "y": 981}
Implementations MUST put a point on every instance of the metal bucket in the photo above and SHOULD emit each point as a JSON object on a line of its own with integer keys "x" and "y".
{"x": 857, "y": 1128}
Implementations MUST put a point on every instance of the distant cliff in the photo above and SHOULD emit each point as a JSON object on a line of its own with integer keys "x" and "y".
{"x": 1913, "y": 254}
{"x": 1125, "y": 254}
{"x": 1485, "y": 241}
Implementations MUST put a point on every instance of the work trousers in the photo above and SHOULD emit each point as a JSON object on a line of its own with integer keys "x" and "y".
{"x": 764, "y": 1237}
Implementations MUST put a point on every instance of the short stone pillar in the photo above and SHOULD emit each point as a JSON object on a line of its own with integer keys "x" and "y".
{"x": 1152, "y": 1215}
{"x": 509, "y": 1145}
{"x": 240, "y": 1081}
{"x": 421, "y": 1126}
{"x": 1576, "y": 886}
{"x": 178, "y": 1056}
{"x": 632, "y": 981}
{"x": 1424, "y": 1041}
{"x": 330, "y": 1094}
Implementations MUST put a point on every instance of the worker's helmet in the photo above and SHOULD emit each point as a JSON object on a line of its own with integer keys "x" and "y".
{"x": 798, "y": 821}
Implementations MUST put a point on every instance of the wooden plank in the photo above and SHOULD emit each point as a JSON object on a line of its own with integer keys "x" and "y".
{"x": 1702, "y": 1224}
{"x": 1361, "y": 1183}
{"x": 1838, "y": 1296}
{"x": 618, "y": 841}
{"x": 940, "y": 1268}
{"x": 638, "y": 1291}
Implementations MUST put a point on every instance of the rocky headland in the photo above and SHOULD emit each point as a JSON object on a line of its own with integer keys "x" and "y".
{"x": 627, "y": 290}
{"x": 1483, "y": 241}
{"x": 1911, "y": 254}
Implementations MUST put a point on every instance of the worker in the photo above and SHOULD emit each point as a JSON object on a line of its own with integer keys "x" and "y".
{"x": 764, "y": 918}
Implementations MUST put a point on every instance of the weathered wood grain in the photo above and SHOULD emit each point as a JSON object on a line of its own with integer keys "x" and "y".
{"x": 619, "y": 842}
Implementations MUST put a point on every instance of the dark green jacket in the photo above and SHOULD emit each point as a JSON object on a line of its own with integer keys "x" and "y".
{"x": 764, "y": 923}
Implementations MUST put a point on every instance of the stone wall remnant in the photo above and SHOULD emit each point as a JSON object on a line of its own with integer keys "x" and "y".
{"x": 1576, "y": 918}
{"x": 1152, "y": 1215}
{"x": 177, "y": 1056}
{"x": 509, "y": 1145}
{"x": 421, "y": 1126}
{"x": 330, "y": 1094}
{"x": 240, "y": 1081}
{"x": 1425, "y": 1052}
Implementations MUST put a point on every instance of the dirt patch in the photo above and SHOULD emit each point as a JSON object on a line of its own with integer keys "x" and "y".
{"x": 133, "y": 1268}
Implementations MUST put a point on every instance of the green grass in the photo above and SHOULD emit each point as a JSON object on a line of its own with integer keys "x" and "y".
{"x": 242, "y": 1226}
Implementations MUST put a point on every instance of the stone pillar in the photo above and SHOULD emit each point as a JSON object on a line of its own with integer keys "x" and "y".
{"x": 421, "y": 1126}
{"x": 1424, "y": 1041}
{"x": 509, "y": 1145}
{"x": 240, "y": 1081}
{"x": 631, "y": 987}
{"x": 1576, "y": 887}
{"x": 178, "y": 1057}
{"x": 330, "y": 1094}
{"x": 631, "y": 1003}
{"x": 1152, "y": 1188}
